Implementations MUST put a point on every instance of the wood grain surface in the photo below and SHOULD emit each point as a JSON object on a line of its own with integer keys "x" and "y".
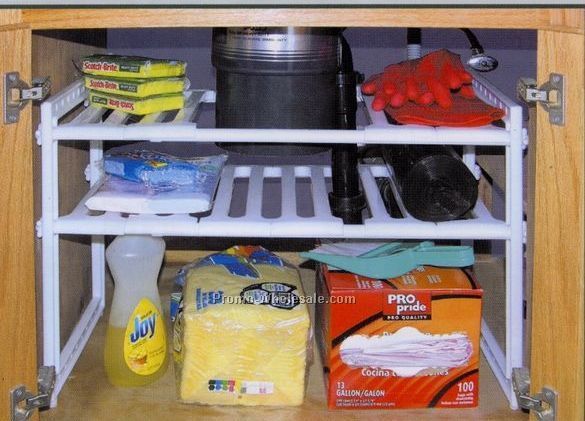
{"x": 340, "y": 17}
{"x": 558, "y": 280}
{"x": 10, "y": 16}
{"x": 18, "y": 362}
{"x": 568, "y": 20}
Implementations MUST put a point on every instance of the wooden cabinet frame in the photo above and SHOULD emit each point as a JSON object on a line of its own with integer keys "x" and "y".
{"x": 558, "y": 283}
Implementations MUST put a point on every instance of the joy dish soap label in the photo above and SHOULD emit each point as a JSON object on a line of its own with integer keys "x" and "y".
{"x": 145, "y": 339}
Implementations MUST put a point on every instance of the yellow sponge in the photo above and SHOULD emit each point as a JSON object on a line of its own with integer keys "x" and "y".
{"x": 139, "y": 106}
{"x": 131, "y": 67}
{"x": 137, "y": 88}
{"x": 241, "y": 336}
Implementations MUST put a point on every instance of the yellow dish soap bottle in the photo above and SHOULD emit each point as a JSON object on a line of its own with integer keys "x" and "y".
{"x": 136, "y": 342}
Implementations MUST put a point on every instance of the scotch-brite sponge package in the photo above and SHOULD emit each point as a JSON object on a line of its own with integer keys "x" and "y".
{"x": 131, "y": 66}
{"x": 138, "y": 106}
{"x": 137, "y": 88}
{"x": 241, "y": 334}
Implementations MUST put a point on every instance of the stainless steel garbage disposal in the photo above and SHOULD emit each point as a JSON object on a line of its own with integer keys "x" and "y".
{"x": 276, "y": 77}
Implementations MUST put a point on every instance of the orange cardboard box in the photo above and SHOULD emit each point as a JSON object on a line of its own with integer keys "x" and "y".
{"x": 406, "y": 342}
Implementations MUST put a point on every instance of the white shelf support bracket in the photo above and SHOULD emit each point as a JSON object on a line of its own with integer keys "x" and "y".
{"x": 87, "y": 173}
{"x": 39, "y": 228}
{"x": 477, "y": 171}
{"x": 525, "y": 138}
{"x": 38, "y": 137}
{"x": 470, "y": 161}
{"x": 208, "y": 97}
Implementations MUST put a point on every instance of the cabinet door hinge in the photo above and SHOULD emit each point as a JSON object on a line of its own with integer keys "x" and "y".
{"x": 17, "y": 93}
{"x": 551, "y": 95}
{"x": 544, "y": 403}
{"x": 23, "y": 402}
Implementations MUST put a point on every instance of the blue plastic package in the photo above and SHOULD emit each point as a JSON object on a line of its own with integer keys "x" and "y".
{"x": 163, "y": 172}
{"x": 152, "y": 183}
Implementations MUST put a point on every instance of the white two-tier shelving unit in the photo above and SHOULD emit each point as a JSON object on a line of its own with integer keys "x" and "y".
{"x": 89, "y": 125}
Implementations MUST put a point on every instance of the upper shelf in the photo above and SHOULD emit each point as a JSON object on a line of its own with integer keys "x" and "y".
{"x": 182, "y": 126}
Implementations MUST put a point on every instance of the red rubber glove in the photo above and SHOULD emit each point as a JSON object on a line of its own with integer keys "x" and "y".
{"x": 443, "y": 72}
{"x": 423, "y": 81}
{"x": 390, "y": 87}
{"x": 463, "y": 112}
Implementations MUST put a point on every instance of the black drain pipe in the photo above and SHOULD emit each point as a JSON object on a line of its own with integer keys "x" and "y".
{"x": 346, "y": 199}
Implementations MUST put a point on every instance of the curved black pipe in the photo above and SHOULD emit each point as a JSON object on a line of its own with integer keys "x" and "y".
{"x": 473, "y": 41}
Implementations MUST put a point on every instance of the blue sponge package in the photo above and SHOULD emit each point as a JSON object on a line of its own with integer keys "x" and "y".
{"x": 142, "y": 181}
{"x": 160, "y": 171}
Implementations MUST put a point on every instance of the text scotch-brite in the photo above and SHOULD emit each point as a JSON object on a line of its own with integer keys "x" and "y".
{"x": 241, "y": 335}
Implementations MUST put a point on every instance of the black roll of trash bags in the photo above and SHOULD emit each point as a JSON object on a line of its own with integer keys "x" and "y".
{"x": 435, "y": 185}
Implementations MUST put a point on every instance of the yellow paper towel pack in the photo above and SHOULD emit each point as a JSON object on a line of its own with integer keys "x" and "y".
{"x": 241, "y": 334}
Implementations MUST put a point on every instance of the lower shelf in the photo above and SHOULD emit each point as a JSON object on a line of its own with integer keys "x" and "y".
{"x": 302, "y": 196}
{"x": 88, "y": 395}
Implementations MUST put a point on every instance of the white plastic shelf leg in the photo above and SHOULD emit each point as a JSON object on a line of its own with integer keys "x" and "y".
{"x": 98, "y": 258}
{"x": 503, "y": 361}
{"x": 64, "y": 360}
{"x": 50, "y": 242}
{"x": 514, "y": 252}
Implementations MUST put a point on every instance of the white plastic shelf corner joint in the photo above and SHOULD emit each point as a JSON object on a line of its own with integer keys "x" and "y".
{"x": 92, "y": 125}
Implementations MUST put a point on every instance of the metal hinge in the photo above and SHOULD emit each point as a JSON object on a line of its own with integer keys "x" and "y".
{"x": 17, "y": 93}
{"x": 24, "y": 402}
{"x": 551, "y": 95}
{"x": 544, "y": 403}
